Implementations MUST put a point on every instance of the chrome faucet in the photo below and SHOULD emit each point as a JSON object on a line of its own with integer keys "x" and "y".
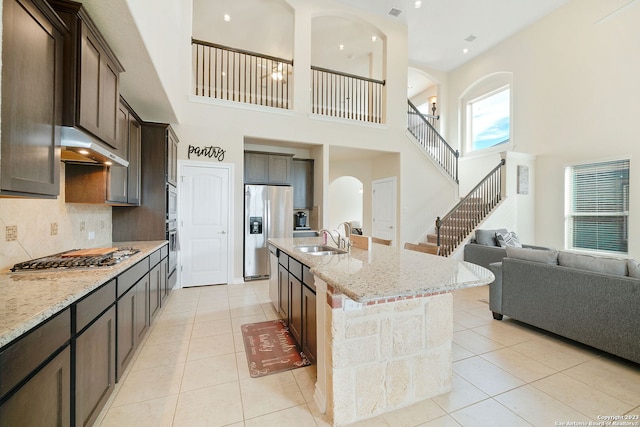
{"x": 346, "y": 240}
{"x": 337, "y": 242}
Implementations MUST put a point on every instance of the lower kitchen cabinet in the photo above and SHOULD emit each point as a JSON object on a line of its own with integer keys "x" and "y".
{"x": 297, "y": 303}
{"x": 295, "y": 308}
{"x": 283, "y": 290}
{"x": 95, "y": 353}
{"x": 44, "y": 400}
{"x": 32, "y": 390}
{"x": 309, "y": 325}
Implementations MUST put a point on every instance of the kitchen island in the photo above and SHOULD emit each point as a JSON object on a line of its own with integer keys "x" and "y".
{"x": 384, "y": 326}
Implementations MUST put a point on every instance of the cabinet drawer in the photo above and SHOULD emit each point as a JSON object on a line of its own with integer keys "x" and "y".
{"x": 283, "y": 259}
{"x": 307, "y": 278}
{"x": 20, "y": 358}
{"x": 154, "y": 258}
{"x": 164, "y": 251}
{"x": 295, "y": 268}
{"x": 130, "y": 277}
{"x": 91, "y": 306}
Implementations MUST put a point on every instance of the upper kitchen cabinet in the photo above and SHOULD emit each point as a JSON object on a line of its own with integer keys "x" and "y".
{"x": 159, "y": 157}
{"x": 267, "y": 168}
{"x": 302, "y": 181}
{"x": 124, "y": 182}
{"x": 91, "y": 76}
{"x": 32, "y": 63}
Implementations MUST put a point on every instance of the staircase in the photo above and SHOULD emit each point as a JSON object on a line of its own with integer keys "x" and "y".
{"x": 456, "y": 226}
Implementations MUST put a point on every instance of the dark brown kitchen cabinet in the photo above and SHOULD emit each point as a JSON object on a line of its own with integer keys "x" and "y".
{"x": 309, "y": 323}
{"x": 283, "y": 290}
{"x": 295, "y": 308}
{"x": 157, "y": 283}
{"x": 267, "y": 168}
{"x": 123, "y": 183}
{"x": 95, "y": 352}
{"x": 302, "y": 182}
{"x": 92, "y": 75}
{"x": 158, "y": 155}
{"x": 36, "y": 376}
{"x": 32, "y": 71}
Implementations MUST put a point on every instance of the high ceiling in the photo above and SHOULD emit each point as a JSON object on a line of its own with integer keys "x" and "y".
{"x": 438, "y": 29}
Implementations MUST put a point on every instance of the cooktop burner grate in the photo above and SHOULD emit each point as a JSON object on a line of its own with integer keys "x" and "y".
{"x": 59, "y": 261}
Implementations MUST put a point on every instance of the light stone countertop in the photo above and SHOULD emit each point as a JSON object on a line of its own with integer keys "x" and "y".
{"x": 386, "y": 271}
{"x": 31, "y": 297}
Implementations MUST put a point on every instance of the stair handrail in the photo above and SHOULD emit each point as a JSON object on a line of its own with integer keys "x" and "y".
{"x": 494, "y": 199}
{"x": 447, "y": 160}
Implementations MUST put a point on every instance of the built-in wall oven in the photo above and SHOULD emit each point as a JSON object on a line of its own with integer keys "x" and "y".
{"x": 172, "y": 203}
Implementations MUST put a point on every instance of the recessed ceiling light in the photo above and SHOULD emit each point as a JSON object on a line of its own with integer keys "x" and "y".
{"x": 85, "y": 152}
{"x": 227, "y": 17}
{"x": 374, "y": 38}
{"x": 465, "y": 50}
{"x": 341, "y": 47}
{"x": 417, "y": 4}
{"x": 108, "y": 163}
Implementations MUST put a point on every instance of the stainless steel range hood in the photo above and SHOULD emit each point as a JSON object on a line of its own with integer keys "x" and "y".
{"x": 80, "y": 147}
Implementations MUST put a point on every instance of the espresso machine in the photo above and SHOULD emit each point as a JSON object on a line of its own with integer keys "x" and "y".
{"x": 301, "y": 221}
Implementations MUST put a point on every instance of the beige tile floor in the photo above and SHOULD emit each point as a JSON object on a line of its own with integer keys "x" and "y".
{"x": 191, "y": 371}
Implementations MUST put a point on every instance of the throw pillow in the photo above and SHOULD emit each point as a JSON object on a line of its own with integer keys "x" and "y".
{"x": 634, "y": 268}
{"x": 488, "y": 237}
{"x": 508, "y": 239}
{"x": 597, "y": 264}
{"x": 544, "y": 256}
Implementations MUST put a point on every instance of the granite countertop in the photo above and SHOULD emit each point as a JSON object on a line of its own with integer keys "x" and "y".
{"x": 28, "y": 298}
{"x": 386, "y": 271}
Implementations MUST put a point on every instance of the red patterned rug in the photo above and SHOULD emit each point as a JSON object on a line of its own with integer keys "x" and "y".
{"x": 270, "y": 348}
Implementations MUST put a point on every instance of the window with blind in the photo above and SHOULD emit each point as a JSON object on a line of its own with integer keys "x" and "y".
{"x": 598, "y": 206}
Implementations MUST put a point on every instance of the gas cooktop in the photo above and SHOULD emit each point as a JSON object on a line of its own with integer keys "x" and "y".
{"x": 74, "y": 259}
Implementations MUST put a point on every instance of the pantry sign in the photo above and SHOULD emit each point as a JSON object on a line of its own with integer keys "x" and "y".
{"x": 210, "y": 151}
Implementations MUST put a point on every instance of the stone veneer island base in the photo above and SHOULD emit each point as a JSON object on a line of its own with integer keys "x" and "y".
{"x": 385, "y": 326}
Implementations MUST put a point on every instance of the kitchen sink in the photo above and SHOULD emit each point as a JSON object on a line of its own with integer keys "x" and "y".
{"x": 320, "y": 250}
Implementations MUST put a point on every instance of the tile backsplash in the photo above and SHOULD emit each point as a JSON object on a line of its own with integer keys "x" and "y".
{"x": 31, "y": 228}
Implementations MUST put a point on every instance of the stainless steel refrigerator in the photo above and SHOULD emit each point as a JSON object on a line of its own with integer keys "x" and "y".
{"x": 268, "y": 212}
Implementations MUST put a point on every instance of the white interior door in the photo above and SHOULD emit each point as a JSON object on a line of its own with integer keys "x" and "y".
{"x": 384, "y": 209}
{"x": 204, "y": 224}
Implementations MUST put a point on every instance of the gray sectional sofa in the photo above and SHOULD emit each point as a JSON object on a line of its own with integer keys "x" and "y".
{"x": 483, "y": 249}
{"x": 589, "y": 299}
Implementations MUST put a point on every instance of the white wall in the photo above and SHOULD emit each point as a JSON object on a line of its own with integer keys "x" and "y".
{"x": 575, "y": 92}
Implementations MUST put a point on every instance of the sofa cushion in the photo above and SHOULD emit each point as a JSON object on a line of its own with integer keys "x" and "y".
{"x": 544, "y": 256}
{"x": 488, "y": 237}
{"x": 634, "y": 268}
{"x": 508, "y": 239}
{"x": 597, "y": 264}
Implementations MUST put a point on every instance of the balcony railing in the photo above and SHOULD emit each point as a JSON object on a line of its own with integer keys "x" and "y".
{"x": 238, "y": 75}
{"x": 346, "y": 96}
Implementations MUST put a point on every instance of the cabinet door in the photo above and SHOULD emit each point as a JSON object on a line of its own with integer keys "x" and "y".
{"x": 126, "y": 336}
{"x": 99, "y": 97}
{"x": 134, "y": 170}
{"x": 45, "y": 400}
{"x": 256, "y": 168}
{"x": 164, "y": 286}
{"x": 95, "y": 367}
{"x": 117, "y": 177}
{"x": 141, "y": 319}
{"x": 283, "y": 289}
{"x": 302, "y": 181}
{"x": 31, "y": 94}
{"x": 295, "y": 308}
{"x": 309, "y": 331}
{"x": 172, "y": 158}
{"x": 155, "y": 286}
{"x": 279, "y": 169}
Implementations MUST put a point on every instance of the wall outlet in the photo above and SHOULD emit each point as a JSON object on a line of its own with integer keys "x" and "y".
{"x": 53, "y": 229}
{"x": 92, "y": 235}
{"x": 11, "y": 233}
{"x": 351, "y": 305}
{"x": 82, "y": 225}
